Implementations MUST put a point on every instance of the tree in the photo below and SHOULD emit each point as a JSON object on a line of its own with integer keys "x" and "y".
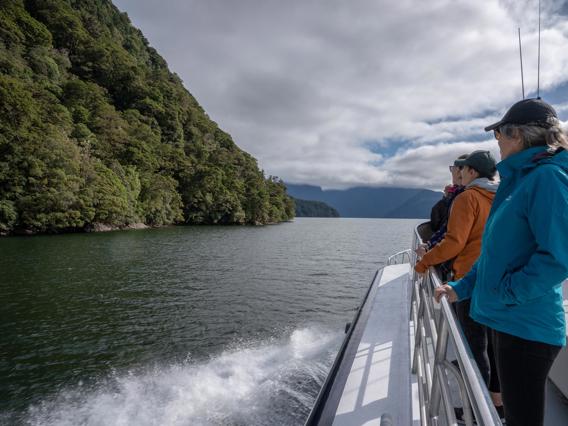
{"x": 94, "y": 128}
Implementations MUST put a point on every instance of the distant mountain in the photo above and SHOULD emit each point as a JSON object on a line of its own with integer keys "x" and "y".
{"x": 306, "y": 208}
{"x": 418, "y": 206}
{"x": 371, "y": 202}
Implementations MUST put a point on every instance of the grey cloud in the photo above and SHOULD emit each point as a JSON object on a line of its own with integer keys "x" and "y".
{"x": 430, "y": 163}
{"x": 304, "y": 85}
{"x": 274, "y": 98}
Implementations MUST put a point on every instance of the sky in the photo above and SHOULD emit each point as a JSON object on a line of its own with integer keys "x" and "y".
{"x": 340, "y": 93}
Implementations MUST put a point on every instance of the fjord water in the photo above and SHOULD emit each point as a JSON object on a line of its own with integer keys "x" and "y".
{"x": 181, "y": 325}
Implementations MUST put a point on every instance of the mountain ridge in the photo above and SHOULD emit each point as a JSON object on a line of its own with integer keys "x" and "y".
{"x": 371, "y": 202}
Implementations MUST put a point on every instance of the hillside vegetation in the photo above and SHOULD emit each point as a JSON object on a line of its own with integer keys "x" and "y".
{"x": 94, "y": 129}
{"x": 308, "y": 208}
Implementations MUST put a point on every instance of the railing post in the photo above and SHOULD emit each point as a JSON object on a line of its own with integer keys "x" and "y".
{"x": 467, "y": 413}
{"x": 417, "y": 336}
{"x": 434, "y": 330}
{"x": 440, "y": 356}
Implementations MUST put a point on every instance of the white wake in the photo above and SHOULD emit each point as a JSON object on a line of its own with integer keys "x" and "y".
{"x": 250, "y": 385}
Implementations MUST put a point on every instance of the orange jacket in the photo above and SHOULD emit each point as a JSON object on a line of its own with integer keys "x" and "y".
{"x": 465, "y": 228}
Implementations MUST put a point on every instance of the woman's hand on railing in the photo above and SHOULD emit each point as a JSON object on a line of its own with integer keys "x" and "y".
{"x": 421, "y": 250}
{"x": 445, "y": 290}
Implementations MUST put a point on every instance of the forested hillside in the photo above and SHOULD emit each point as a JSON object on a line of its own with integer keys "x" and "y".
{"x": 94, "y": 129}
{"x": 308, "y": 208}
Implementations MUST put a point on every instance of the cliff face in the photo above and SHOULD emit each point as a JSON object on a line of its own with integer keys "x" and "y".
{"x": 94, "y": 129}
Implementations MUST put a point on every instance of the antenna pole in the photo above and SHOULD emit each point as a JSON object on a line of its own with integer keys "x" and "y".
{"x": 538, "y": 66}
{"x": 521, "y": 57}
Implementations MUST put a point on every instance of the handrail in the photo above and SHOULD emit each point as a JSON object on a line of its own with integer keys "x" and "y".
{"x": 399, "y": 257}
{"x": 434, "y": 328}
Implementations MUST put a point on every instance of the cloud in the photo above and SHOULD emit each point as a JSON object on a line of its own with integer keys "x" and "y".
{"x": 429, "y": 163}
{"x": 305, "y": 85}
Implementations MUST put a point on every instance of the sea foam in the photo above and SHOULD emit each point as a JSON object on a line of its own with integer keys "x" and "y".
{"x": 268, "y": 383}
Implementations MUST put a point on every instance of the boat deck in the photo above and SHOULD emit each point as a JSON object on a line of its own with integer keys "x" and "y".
{"x": 379, "y": 381}
{"x": 371, "y": 380}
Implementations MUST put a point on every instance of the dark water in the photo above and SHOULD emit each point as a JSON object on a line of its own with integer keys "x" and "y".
{"x": 183, "y": 325}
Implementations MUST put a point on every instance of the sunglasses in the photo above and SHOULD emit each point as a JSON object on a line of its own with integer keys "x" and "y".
{"x": 452, "y": 168}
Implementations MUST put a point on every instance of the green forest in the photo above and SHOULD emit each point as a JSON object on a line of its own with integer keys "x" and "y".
{"x": 308, "y": 208}
{"x": 95, "y": 129}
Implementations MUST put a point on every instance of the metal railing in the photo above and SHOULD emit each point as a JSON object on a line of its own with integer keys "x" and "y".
{"x": 435, "y": 326}
{"x": 399, "y": 257}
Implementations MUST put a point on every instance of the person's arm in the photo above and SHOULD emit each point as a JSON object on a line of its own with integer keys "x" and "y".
{"x": 464, "y": 287}
{"x": 461, "y": 221}
{"x": 547, "y": 268}
{"x": 438, "y": 235}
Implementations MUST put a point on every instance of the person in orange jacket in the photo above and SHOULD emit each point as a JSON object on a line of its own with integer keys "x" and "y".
{"x": 467, "y": 216}
{"x": 462, "y": 243}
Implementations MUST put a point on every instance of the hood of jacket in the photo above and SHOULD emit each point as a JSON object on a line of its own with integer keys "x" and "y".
{"x": 525, "y": 161}
{"x": 484, "y": 183}
{"x": 484, "y": 187}
{"x": 558, "y": 158}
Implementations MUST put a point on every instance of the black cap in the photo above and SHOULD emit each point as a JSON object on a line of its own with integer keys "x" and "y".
{"x": 481, "y": 161}
{"x": 461, "y": 157}
{"x": 527, "y": 111}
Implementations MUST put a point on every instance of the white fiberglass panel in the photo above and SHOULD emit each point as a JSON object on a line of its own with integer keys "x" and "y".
{"x": 379, "y": 380}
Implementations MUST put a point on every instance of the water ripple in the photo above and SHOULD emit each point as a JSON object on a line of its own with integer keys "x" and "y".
{"x": 149, "y": 326}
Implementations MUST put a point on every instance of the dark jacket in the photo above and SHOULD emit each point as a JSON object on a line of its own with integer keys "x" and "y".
{"x": 441, "y": 232}
{"x": 439, "y": 214}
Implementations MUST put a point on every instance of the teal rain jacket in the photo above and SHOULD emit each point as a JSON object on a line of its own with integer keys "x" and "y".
{"x": 516, "y": 284}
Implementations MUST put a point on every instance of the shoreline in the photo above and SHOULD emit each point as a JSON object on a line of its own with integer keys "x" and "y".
{"x": 97, "y": 228}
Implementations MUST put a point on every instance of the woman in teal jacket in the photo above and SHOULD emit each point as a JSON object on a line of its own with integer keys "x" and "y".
{"x": 516, "y": 285}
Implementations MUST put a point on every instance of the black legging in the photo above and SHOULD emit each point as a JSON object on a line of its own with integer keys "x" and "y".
{"x": 523, "y": 367}
{"x": 479, "y": 339}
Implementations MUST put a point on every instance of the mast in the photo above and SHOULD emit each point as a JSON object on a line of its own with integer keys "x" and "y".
{"x": 538, "y": 60}
{"x": 521, "y": 58}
